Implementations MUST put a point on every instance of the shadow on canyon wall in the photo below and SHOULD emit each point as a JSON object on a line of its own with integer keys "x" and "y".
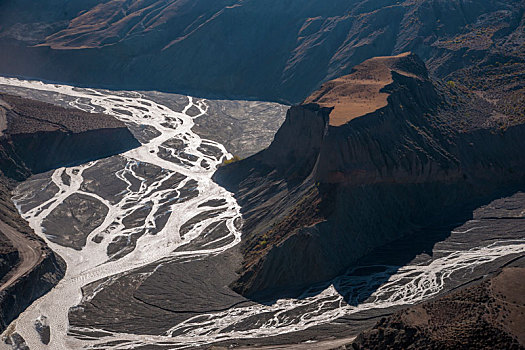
{"x": 361, "y": 280}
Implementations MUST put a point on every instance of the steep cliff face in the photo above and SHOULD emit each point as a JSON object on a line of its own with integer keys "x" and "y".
{"x": 37, "y": 281}
{"x": 36, "y": 137}
{"x": 8, "y": 256}
{"x": 40, "y": 136}
{"x": 334, "y": 184}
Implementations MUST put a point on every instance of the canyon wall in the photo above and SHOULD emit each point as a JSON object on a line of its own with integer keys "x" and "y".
{"x": 265, "y": 50}
{"x": 322, "y": 195}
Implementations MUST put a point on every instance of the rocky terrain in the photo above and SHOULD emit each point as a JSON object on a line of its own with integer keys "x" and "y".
{"x": 328, "y": 190}
{"x": 153, "y": 246}
{"x": 129, "y": 225}
{"x": 488, "y": 315}
{"x": 397, "y": 181}
{"x": 259, "y": 49}
{"x": 43, "y": 136}
{"x": 37, "y": 137}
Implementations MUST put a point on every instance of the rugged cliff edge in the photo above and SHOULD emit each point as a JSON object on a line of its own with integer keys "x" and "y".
{"x": 36, "y": 137}
{"x": 41, "y": 136}
{"x": 364, "y": 161}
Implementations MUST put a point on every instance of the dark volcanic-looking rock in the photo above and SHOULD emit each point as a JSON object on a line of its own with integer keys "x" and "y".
{"x": 270, "y": 50}
{"x": 335, "y": 183}
{"x": 486, "y": 316}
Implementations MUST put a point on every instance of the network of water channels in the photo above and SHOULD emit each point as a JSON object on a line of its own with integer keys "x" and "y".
{"x": 170, "y": 175}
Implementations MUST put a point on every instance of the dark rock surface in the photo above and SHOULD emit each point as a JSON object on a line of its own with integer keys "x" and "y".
{"x": 17, "y": 342}
{"x": 266, "y": 50}
{"x": 321, "y": 196}
{"x": 9, "y": 256}
{"x": 42, "y": 136}
{"x": 42, "y": 327}
{"x": 488, "y": 315}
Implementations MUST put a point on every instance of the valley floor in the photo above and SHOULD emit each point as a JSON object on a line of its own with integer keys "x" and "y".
{"x": 150, "y": 242}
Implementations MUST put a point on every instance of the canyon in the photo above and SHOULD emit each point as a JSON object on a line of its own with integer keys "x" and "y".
{"x": 253, "y": 49}
{"x": 262, "y": 175}
{"x": 312, "y": 208}
{"x": 125, "y": 251}
{"x": 153, "y": 230}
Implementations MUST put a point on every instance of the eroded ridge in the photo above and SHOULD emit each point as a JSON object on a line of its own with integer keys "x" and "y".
{"x": 360, "y": 92}
{"x": 157, "y": 203}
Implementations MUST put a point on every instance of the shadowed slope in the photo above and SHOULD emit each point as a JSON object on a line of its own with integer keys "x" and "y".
{"x": 267, "y": 50}
{"x": 327, "y": 191}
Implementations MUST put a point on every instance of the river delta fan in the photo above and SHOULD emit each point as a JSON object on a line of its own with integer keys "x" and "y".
{"x": 37, "y": 137}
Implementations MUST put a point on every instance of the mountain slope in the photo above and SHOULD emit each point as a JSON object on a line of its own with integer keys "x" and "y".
{"x": 265, "y": 49}
{"x": 328, "y": 190}
{"x": 485, "y": 316}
